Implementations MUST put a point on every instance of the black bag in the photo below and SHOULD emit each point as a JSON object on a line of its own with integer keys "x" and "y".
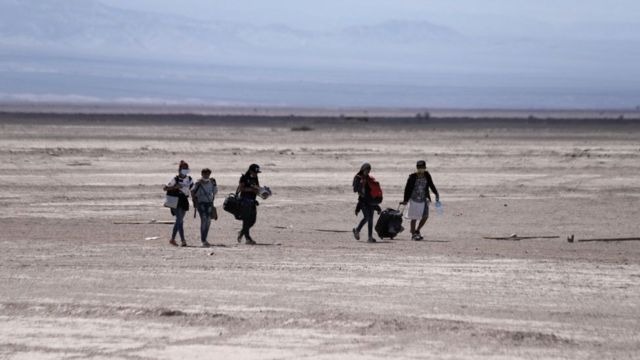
{"x": 233, "y": 204}
{"x": 389, "y": 223}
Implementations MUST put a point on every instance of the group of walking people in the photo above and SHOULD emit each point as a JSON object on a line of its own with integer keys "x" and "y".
{"x": 203, "y": 191}
{"x": 417, "y": 198}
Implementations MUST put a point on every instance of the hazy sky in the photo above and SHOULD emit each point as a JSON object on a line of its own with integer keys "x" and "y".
{"x": 479, "y": 53}
{"x": 319, "y": 14}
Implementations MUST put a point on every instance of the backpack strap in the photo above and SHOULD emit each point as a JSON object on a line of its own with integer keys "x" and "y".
{"x": 195, "y": 189}
{"x": 180, "y": 193}
{"x": 238, "y": 188}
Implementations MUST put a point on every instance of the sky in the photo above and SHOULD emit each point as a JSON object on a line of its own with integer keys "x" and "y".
{"x": 320, "y": 14}
{"x": 334, "y": 53}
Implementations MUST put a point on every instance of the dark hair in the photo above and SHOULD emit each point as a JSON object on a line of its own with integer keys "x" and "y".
{"x": 253, "y": 168}
{"x": 206, "y": 171}
{"x": 364, "y": 167}
{"x": 183, "y": 165}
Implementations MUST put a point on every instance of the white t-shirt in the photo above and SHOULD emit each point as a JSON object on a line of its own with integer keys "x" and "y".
{"x": 186, "y": 184}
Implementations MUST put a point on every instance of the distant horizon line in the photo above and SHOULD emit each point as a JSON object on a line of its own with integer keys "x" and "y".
{"x": 186, "y": 108}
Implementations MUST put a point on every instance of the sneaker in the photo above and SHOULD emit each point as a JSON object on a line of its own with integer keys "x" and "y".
{"x": 371, "y": 240}
{"x": 356, "y": 234}
{"x": 419, "y": 236}
{"x": 183, "y": 244}
{"x": 250, "y": 241}
{"x": 173, "y": 242}
{"x": 240, "y": 235}
{"x": 416, "y": 237}
{"x": 205, "y": 244}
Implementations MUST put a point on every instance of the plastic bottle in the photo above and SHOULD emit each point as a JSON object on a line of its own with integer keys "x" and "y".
{"x": 439, "y": 208}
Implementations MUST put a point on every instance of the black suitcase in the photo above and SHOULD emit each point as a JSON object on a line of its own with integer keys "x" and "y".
{"x": 389, "y": 223}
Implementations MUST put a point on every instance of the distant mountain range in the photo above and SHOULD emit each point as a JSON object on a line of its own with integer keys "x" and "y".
{"x": 88, "y": 26}
{"x": 84, "y": 48}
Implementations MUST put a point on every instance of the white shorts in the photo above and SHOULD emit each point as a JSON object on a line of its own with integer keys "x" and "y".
{"x": 417, "y": 210}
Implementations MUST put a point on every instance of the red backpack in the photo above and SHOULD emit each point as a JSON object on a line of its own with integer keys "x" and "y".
{"x": 375, "y": 191}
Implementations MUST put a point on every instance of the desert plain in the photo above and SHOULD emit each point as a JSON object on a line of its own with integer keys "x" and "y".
{"x": 86, "y": 271}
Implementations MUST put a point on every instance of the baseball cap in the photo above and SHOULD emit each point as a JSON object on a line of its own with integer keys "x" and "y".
{"x": 255, "y": 168}
{"x": 421, "y": 164}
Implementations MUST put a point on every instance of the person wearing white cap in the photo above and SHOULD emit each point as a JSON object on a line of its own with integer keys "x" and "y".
{"x": 416, "y": 194}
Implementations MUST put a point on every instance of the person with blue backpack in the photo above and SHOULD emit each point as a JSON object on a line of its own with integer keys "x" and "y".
{"x": 369, "y": 199}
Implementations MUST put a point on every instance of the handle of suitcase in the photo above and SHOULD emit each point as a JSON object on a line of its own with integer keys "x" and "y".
{"x": 403, "y": 206}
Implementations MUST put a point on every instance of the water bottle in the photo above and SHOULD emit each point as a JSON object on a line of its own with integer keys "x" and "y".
{"x": 439, "y": 208}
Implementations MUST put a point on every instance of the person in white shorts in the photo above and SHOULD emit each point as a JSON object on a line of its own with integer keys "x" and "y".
{"x": 416, "y": 194}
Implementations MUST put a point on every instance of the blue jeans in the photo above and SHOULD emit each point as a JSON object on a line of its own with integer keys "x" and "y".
{"x": 204, "y": 210}
{"x": 178, "y": 225}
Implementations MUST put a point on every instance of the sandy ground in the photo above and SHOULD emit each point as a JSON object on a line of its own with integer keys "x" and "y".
{"x": 75, "y": 285}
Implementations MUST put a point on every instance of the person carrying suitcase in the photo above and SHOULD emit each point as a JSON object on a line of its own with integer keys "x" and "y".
{"x": 416, "y": 194}
{"x": 369, "y": 198}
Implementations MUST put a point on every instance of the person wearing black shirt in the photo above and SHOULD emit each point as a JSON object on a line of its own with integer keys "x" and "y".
{"x": 249, "y": 188}
{"x": 416, "y": 194}
{"x": 365, "y": 202}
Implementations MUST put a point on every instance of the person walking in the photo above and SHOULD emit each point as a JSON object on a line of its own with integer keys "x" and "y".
{"x": 203, "y": 195}
{"x": 249, "y": 188}
{"x": 180, "y": 186}
{"x": 369, "y": 198}
{"x": 416, "y": 194}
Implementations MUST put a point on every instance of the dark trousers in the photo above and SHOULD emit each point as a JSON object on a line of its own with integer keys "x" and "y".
{"x": 249, "y": 215}
{"x": 367, "y": 211}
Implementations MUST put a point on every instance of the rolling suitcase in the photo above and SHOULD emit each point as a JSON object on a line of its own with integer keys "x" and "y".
{"x": 389, "y": 223}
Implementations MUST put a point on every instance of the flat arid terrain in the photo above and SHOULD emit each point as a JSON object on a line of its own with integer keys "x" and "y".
{"x": 86, "y": 271}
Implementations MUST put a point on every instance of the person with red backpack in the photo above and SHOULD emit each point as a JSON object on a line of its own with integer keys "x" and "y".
{"x": 369, "y": 199}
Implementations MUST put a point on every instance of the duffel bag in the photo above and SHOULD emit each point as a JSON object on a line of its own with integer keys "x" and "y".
{"x": 233, "y": 205}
